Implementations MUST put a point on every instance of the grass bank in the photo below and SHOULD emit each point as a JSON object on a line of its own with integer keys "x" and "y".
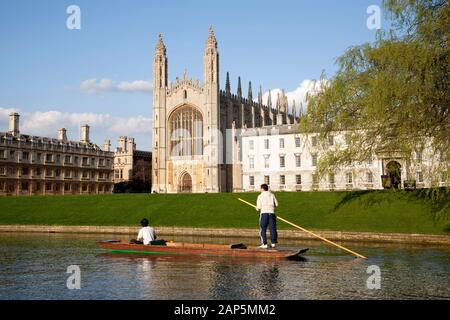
{"x": 376, "y": 211}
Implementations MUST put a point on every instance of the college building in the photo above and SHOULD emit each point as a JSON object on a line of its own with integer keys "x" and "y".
{"x": 206, "y": 139}
{"x": 34, "y": 165}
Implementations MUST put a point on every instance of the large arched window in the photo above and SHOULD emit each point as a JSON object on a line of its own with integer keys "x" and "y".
{"x": 186, "y": 132}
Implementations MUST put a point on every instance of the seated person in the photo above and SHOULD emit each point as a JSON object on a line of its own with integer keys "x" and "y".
{"x": 146, "y": 234}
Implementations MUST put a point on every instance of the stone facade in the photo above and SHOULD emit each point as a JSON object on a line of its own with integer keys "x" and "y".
{"x": 32, "y": 165}
{"x": 131, "y": 164}
{"x": 196, "y": 146}
{"x": 287, "y": 160}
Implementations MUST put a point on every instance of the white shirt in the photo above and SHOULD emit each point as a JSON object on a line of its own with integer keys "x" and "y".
{"x": 266, "y": 202}
{"x": 147, "y": 234}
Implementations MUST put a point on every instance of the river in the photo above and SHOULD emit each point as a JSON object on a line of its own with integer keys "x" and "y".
{"x": 34, "y": 266}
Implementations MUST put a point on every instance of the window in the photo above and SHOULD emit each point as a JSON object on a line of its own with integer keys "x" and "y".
{"x": 282, "y": 161}
{"x": 85, "y": 161}
{"x": 48, "y": 172}
{"x": 25, "y": 155}
{"x": 2, "y": 154}
{"x": 314, "y": 141}
{"x": 38, "y": 157}
{"x": 281, "y": 143}
{"x": 25, "y": 171}
{"x": 251, "y": 144}
{"x": 58, "y": 158}
{"x": 314, "y": 160}
{"x": 85, "y": 174}
{"x": 2, "y": 170}
{"x": 186, "y": 132}
{"x": 11, "y": 154}
{"x": 266, "y": 143}
{"x": 48, "y": 157}
{"x": 251, "y": 161}
{"x": 282, "y": 180}
{"x": 92, "y": 161}
{"x": 67, "y": 159}
{"x": 252, "y": 180}
{"x": 419, "y": 176}
{"x": 37, "y": 172}
{"x": 57, "y": 172}
{"x": 370, "y": 160}
{"x": 298, "y": 161}
{"x": 75, "y": 161}
{"x": 369, "y": 177}
{"x": 100, "y": 175}
{"x": 48, "y": 186}
{"x": 349, "y": 177}
{"x": 331, "y": 178}
{"x": 297, "y": 142}
{"x": 330, "y": 140}
{"x": 266, "y": 162}
{"x": 67, "y": 174}
{"x": 267, "y": 180}
{"x": 67, "y": 187}
{"x": 116, "y": 174}
{"x": 24, "y": 186}
{"x": 298, "y": 179}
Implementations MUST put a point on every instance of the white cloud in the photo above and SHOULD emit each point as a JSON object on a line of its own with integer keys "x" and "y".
{"x": 93, "y": 86}
{"x": 103, "y": 126}
{"x": 299, "y": 94}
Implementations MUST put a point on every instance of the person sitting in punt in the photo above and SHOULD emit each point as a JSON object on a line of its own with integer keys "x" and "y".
{"x": 146, "y": 235}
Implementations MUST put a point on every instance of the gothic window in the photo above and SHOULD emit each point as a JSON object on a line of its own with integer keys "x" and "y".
{"x": 186, "y": 132}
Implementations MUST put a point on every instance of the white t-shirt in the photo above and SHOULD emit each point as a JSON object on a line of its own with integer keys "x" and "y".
{"x": 147, "y": 234}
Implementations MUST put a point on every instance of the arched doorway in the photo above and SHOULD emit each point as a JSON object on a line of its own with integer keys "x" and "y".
{"x": 394, "y": 173}
{"x": 186, "y": 183}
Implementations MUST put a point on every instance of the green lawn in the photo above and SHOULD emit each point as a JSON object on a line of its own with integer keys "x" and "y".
{"x": 377, "y": 211}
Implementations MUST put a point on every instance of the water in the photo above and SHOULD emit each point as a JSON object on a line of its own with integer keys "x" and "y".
{"x": 34, "y": 266}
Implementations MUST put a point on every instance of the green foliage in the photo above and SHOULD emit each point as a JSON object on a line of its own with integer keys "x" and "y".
{"x": 391, "y": 96}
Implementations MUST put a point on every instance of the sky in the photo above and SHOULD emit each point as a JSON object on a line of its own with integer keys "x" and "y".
{"x": 101, "y": 74}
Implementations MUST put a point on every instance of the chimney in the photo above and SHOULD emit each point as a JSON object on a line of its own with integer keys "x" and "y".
{"x": 62, "y": 134}
{"x": 85, "y": 134}
{"x": 107, "y": 145}
{"x": 14, "y": 123}
{"x": 131, "y": 145}
{"x": 122, "y": 144}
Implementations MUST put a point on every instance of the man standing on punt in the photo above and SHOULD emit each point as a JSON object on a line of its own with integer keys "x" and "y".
{"x": 266, "y": 205}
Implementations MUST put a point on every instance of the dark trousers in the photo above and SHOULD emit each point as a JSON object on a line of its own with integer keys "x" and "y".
{"x": 268, "y": 219}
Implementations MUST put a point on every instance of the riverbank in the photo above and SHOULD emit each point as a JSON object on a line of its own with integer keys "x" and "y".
{"x": 375, "y": 211}
{"x": 242, "y": 233}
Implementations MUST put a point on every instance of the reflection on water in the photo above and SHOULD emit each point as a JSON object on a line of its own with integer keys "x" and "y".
{"x": 34, "y": 267}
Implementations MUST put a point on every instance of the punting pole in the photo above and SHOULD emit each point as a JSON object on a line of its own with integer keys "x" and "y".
{"x": 311, "y": 233}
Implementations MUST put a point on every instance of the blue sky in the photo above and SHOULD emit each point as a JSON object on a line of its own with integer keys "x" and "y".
{"x": 278, "y": 44}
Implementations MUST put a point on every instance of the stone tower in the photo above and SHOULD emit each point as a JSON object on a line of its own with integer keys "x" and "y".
{"x": 160, "y": 81}
{"x": 211, "y": 134}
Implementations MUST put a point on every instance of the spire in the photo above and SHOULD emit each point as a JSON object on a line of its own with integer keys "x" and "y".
{"x": 212, "y": 41}
{"x": 278, "y": 102}
{"x": 160, "y": 46}
{"x": 260, "y": 97}
{"x": 269, "y": 101}
{"x": 239, "y": 88}
{"x": 250, "y": 93}
{"x": 294, "y": 110}
{"x": 227, "y": 85}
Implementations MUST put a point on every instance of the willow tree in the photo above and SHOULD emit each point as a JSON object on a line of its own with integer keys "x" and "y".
{"x": 391, "y": 95}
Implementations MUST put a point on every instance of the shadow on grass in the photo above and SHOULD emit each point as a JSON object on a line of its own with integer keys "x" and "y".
{"x": 367, "y": 197}
{"x": 436, "y": 199}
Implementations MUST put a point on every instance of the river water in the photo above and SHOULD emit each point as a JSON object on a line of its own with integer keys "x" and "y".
{"x": 34, "y": 266}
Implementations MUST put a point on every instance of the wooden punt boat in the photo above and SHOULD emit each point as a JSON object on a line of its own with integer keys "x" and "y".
{"x": 193, "y": 249}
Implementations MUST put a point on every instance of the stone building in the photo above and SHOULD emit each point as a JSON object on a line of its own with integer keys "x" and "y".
{"x": 131, "y": 164}
{"x": 196, "y": 147}
{"x": 287, "y": 160}
{"x": 33, "y": 165}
